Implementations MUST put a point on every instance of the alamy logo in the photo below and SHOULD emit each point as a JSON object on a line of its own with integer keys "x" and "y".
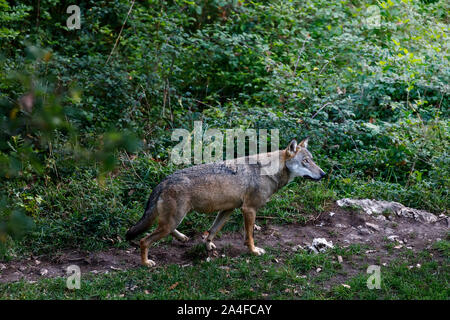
{"x": 373, "y": 17}
{"x": 209, "y": 147}
{"x": 74, "y": 279}
{"x": 374, "y": 281}
{"x": 74, "y": 21}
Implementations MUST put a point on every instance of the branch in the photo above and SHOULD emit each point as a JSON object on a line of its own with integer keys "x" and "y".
{"x": 120, "y": 33}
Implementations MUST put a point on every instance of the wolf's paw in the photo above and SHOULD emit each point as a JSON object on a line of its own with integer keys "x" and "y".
{"x": 258, "y": 251}
{"x": 210, "y": 246}
{"x": 184, "y": 238}
{"x": 149, "y": 263}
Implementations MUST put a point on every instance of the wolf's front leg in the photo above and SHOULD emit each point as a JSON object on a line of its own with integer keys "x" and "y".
{"x": 249, "y": 220}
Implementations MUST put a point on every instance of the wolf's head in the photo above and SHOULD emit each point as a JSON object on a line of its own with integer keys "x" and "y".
{"x": 299, "y": 161}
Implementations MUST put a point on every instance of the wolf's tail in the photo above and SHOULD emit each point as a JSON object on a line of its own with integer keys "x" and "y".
{"x": 149, "y": 217}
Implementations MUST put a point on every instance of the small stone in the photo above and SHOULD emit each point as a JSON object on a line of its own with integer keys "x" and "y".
{"x": 318, "y": 270}
{"x": 332, "y": 214}
{"x": 363, "y": 231}
{"x": 340, "y": 260}
{"x": 346, "y": 286}
{"x": 373, "y": 226}
{"x": 320, "y": 225}
{"x": 393, "y": 238}
{"x": 321, "y": 244}
{"x": 43, "y": 271}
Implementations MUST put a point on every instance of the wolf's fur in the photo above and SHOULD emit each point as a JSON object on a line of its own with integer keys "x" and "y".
{"x": 221, "y": 186}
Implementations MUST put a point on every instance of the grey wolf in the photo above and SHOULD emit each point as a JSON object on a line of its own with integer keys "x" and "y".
{"x": 221, "y": 186}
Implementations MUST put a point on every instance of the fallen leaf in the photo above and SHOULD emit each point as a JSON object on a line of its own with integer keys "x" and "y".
{"x": 174, "y": 286}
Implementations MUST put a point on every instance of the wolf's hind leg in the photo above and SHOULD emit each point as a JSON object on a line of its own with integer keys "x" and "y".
{"x": 145, "y": 243}
{"x": 220, "y": 220}
{"x": 171, "y": 214}
{"x": 180, "y": 236}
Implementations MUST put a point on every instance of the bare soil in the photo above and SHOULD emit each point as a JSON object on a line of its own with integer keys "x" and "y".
{"x": 341, "y": 226}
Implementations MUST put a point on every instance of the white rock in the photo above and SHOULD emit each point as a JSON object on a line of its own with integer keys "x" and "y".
{"x": 393, "y": 238}
{"x": 320, "y": 245}
{"x": 380, "y": 206}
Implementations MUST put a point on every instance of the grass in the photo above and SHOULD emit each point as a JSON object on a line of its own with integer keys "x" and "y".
{"x": 276, "y": 275}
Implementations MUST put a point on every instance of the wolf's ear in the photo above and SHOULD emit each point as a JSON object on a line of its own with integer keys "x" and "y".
{"x": 291, "y": 148}
{"x": 304, "y": 143}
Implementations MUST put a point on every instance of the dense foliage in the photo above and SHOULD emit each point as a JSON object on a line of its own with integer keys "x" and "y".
{"x": 86, "y": 115}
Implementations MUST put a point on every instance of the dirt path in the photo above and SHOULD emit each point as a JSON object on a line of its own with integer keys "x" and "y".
{"x": 341, "y": 226}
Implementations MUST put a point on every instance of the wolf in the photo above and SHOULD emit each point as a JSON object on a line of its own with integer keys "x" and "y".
{"x": 222, "y": 186}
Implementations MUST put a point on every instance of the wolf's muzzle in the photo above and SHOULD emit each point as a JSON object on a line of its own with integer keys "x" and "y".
{"x": 322, "y": 174}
